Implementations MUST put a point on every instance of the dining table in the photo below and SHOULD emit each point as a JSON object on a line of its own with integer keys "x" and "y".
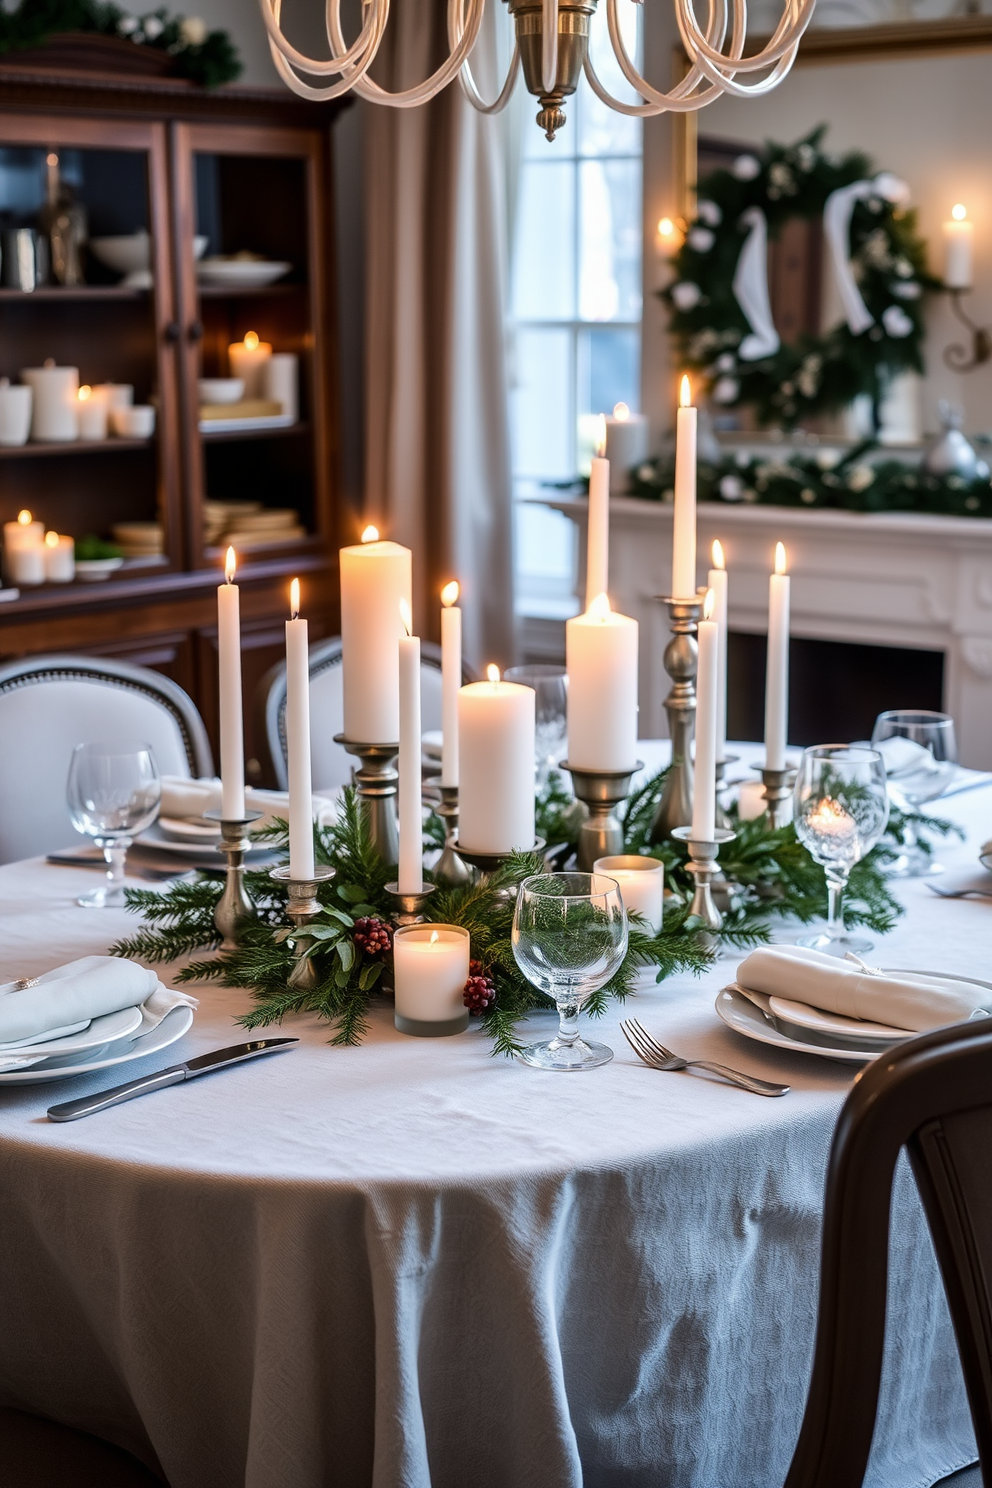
{"x": 414, "y": 1264}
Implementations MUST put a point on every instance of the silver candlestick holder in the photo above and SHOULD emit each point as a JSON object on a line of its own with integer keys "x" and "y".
{"x": 409, "y": 908}
{"x": 234, "y": 906}
{"x": 704, "y": 868}
{"x": 681, "y": 654}
{"x": 302, "y": 907}
{"x": 450, "y": 869}
{"x": 601, "y": 791}
{"x": 491, "y": 862}
{"x": 377, "y": 779}
{"x": 778, "y": 790}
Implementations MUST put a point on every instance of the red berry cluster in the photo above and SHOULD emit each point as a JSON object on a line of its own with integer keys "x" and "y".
{"x": 373, "y": 936}
{"x": 480, "y": 989}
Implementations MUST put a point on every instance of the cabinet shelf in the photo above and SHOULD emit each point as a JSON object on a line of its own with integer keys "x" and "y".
{"x": 72, "y": 447}
{"x": 220, "y": 436}
{"x": 64, "y": 292}
{"x": 235, "y": 292}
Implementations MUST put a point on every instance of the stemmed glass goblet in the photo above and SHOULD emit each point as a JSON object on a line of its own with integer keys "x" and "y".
{"x": 920, "y": 764}
{"x": 569, "y": 937}
{"x": 113, "y": 792}
{"x": 840, "y": 809}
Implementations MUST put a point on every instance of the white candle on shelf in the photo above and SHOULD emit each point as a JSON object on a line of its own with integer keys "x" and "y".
{"x": 598, "y": 524}
{"x": 777, "y": 674}
{"x": 232, "y": 747}
{"x": 23, "y": 550}
{"x": 375, "y": 576}
{"x": 59, "y": 559}
{"x": 626, "y": 445}
{"x": 247, "y": 360}
{"x": 703, "y": 827}
{"x": 92, "y": 412}
{"x": 430, "y": 969}
{"x": 298, "y": 740}
{"x": 959, "y": 238}
{"x": 601, "y": 660}
{"x": 451, "y": 681}
{"x": 55, "y": 405}
{"x": 410, "y": 874}
{"x": 717, "y": 581}
{"x": 495, "y": 765}
{"x": 24, "y": 533}
{"x": 642, "y": 884}
{"x": 684, "y": 520}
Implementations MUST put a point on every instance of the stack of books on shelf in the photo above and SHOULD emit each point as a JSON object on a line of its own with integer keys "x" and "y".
{"x": 249, "y": 524}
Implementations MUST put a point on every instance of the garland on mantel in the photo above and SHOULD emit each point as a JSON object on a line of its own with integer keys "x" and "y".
{"x": 772, "y": 873}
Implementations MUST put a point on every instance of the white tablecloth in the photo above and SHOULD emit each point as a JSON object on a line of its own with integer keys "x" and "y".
{"x": 413, "y": 1264}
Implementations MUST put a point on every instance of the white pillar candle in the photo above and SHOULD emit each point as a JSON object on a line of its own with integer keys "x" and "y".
{"x": 717, "y": 581}
{"x": 247, "y": 360}
{"x": 684, "y": 519}
{"x": 24, "y": 533}
{"x": 92, "y": 412}
{"x": 642, "y": 884}
{"x": 23, "y": 551}
{"x": 598, "y": 524}
{"x": 451, "y": 681}
{"x": 232, "y": 747}
{"x": 55, "y": 404}
{"x": 601, "y": 659}
{"x": 959, "y": 236}
{"x": 59, "y": 558}
{"x": 375, "y": 576}
{"x": 298, "y": 740}
{"x": 281, "y": 381}
{"x": 626, "y": 446}
{"x": 495, "y": 766}
{"x": 410, "y": 874}
{"x": 430, "y": 969}
{"x": 703, "y": 827}
{"x": 777, "y": 674}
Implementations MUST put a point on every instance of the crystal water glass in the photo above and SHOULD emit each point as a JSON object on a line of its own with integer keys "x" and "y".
{"x": 840, "y": 807}
{"x": 569, "y": 938}
{"x": 920, "y": 765}
{"x": 113, "y": 792}
{"x": 550, "y": 683}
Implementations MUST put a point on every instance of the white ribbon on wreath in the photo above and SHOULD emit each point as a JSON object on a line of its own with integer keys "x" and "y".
{"x": 750, "y": 286}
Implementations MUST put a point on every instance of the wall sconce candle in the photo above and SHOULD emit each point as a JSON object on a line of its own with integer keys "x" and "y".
{"x": 959, "y": 242}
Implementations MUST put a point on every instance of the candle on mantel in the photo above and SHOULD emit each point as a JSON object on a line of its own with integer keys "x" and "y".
{"x": 959, "y": 239}
{"x": 375, "y": 576}
{"x": 451, "y": 680}
{"x": 717, "y": 581}
{"x": 495, "y": 765}
{"x": 703, "y": 827}
{"x": 601, "y": 661}
{"x": 598, "y": 523}
{"x": 298, "y": 740}
{"x": 232, "y": 745}
{"x": 626, "y": 445}
{"x": 410, "y": 873}
{"x": 777, "y": 673}
{"x": 430, "y": 969}
{"x": 684, "y": 523}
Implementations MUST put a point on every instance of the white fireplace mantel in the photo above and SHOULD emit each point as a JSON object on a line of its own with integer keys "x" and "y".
{"x": 880, "y": 579}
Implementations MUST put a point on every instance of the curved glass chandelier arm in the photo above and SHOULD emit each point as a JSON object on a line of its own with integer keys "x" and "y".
{"x": 662, "y": 103}
{"x": 718, "y": 65}
{"x": 430, "y": 87}
{"x": 682, "y": 98}
{"x": 549, "y": 45}
{"x": 467, "y": 82}
{"x": 353, "y": 61}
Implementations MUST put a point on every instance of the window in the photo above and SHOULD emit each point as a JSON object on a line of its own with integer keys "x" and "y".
{"x": 575, "y": 306}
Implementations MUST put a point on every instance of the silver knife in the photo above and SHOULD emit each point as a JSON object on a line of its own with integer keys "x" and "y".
{"x": 203, "y": 1064}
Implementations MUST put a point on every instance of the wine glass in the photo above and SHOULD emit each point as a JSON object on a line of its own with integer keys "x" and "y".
{"x": 840, "y": 809}
{"x": 550, "y": 709}
{"x": 569, "y": 937}
{"x": 113, "y": 793}
{"x": 920, "y": 763}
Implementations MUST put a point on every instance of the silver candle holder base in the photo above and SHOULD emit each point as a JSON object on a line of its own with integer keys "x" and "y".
{"x": 681, "y": 656}
{"x": 377, "y": 780}
{"x": 450, "y": 869}
{"x": 234, "y": 907}
{"x": 302, "y": 907}
{"x": 777, "y": 791}
{"x": 703, "y": 867}
{"x": 409, "y": 908}
{"x": 485, "y": 863}
{"x": 601, "y": 791}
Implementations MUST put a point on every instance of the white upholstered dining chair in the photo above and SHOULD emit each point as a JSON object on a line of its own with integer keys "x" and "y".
{"x": 48, "y": 705}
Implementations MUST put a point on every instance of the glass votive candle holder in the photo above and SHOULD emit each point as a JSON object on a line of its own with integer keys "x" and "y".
{"x": 751, "y": 802}
{"x": 430, "y": 969}
{"x": 642, "y": 884}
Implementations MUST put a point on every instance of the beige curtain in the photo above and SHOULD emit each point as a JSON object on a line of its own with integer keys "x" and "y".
{"x": 437, "y": 444}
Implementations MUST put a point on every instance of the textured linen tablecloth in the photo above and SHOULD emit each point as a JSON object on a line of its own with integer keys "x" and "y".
{"x": 413, "y": 1264}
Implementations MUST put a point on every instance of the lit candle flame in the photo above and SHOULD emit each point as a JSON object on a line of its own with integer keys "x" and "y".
{"x": 600, "y": 435}
{"x": 709, "y": 605}
{"x": 24, "y": 518}
{"x": 294, "y": 598}
{"x": 434, "y": 938}
{"x": 717, "y": 550}
{"x": 621, "y": 412}
{"x": 600, "y": 607}
{"x": 492, "y": 672}
{"x": 959, "y": 212}
{"x": 666, "y": 228}
{"x": 251, "y": 340}
{"x": 84, "y": 392}
{"x": 685, "y": 393}
{"x": 371, "y": 534}
{"x": 51, "y": 539}
{"x": 449, "y": 594}
{"x": 830, "y": 819}
{"x": 230, "y": 565}
{"x": 406, "y": 617}
{"x": 781, "y": 562}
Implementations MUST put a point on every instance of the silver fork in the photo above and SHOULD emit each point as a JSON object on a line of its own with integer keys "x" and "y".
{"x": 660, "y": 1058}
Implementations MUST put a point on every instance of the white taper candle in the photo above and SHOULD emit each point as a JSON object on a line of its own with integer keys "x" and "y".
{"x": 684, "y": 520}
{"x": 298, "y": 740}
{"x": 777, "y": 673}
{"x": 704, "y": 776}
{"x": 232, "y": 742}
{"x": 717, "y": 581}
{"x": 598, "y": 527}
{"x": 451, "y": 681}
{"x": 410, "y": 875}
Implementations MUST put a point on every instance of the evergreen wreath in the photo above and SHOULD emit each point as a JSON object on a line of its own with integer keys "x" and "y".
{"x": 819, "y": 374}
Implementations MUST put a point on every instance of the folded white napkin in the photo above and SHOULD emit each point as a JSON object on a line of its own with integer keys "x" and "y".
{"x": 182, "y": 797}
{"x": 901, "y": 1000}
{"x": 71, "y": 995}
{"x": 154, "y": 1008}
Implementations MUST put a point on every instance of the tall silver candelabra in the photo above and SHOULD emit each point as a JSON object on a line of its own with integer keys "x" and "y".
{"x": 681, "y": 654}
{"x": 377, "y": 780}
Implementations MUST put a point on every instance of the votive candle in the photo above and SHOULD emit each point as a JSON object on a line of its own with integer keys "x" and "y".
{"x": 642, "y": 884}
{"x": 430, "y": 969}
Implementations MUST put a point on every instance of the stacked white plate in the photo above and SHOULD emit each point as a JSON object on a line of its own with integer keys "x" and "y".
{"x": 114, "y": 1038}
{"x": 240, "y": 273}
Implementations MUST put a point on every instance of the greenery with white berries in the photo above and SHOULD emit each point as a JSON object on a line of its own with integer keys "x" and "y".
{"x": 816, "y": 374}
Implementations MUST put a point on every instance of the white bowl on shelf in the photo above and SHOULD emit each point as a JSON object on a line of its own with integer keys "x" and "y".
{"x": 130, "y": 254}
{"x": 221, "y": 389}
{"x": 137, "y": 422}
{"x": 240, "y": 273}
{"x": 92, "y": 570}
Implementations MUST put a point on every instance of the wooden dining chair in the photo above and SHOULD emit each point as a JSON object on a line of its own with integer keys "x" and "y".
{"x": 933, "y": 1096}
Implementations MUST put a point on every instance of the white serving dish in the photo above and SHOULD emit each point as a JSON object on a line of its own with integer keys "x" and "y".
{"x": 221, "y": 389}
{"x": 92, "y": 570}
{"x": 240, "y": 273}
{"x": 130, "y": 254}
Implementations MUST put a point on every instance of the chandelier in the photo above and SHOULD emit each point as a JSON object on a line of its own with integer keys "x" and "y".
{"x": 552, "y": 48}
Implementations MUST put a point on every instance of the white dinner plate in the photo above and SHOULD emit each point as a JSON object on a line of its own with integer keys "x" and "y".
{"x": 122, "y": 1051}
{"x": 189, "y": 829}
{"x": 240, "y": 273}
{"x": 819, "y": 1021}
{"x": 98, "y": 1031}
{"x": 744, "y": 1018}
{"x": 157, "y": 839}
